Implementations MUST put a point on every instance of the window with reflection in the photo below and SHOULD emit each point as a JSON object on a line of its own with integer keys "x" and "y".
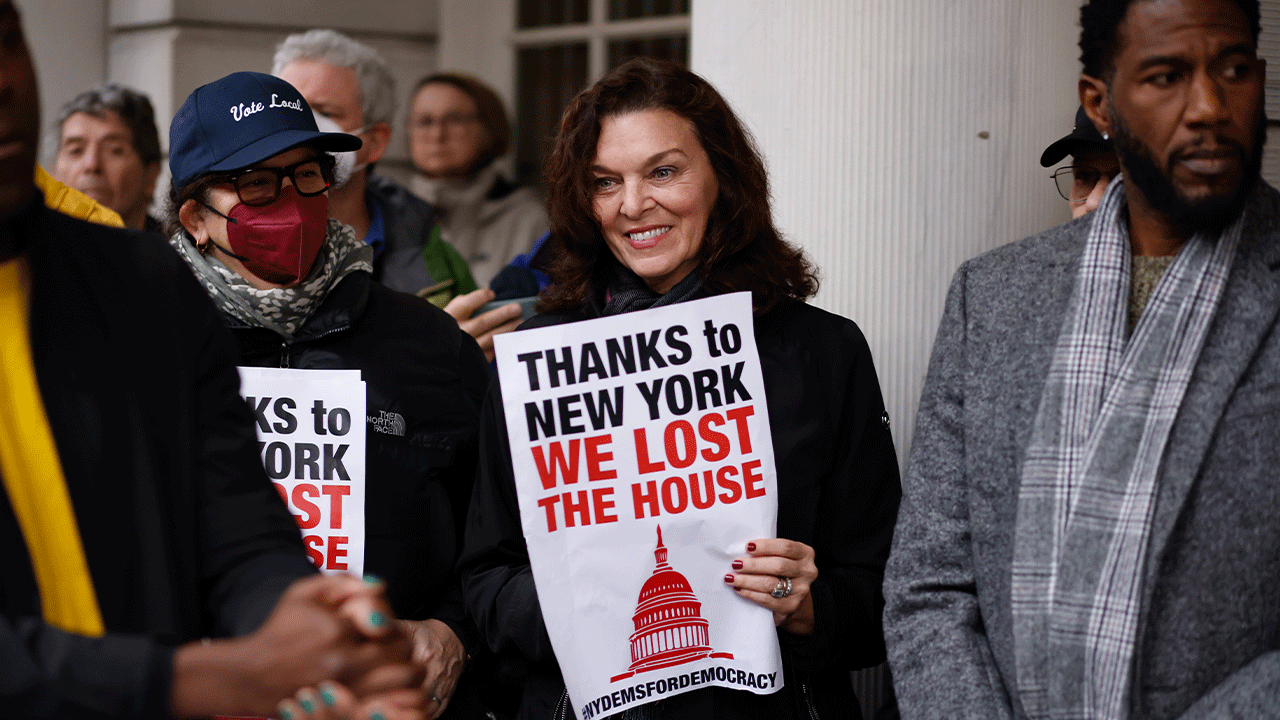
{"x": 562, "y": 46}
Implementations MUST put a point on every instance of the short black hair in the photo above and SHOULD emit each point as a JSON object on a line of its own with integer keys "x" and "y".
{"x": 1099, "y": 29}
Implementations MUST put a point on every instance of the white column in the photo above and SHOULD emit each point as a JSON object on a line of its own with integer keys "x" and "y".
{"x": 475, "y": 38}
{"x": 901, "y": 138}
{"x": 68, "y": 44}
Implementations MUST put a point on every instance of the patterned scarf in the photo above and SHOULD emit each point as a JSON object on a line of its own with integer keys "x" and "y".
{"x": 627, "y": 292}
{"x": 1088, "y": 486}
{"x": 282, "y": 310}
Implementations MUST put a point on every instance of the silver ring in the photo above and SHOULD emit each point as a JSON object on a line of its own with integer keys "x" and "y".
{"x": 436, "y": 699}
{"x": 782, "y": 588}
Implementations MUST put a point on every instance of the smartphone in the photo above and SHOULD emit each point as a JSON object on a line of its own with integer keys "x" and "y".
{"x": 526, "y": 306}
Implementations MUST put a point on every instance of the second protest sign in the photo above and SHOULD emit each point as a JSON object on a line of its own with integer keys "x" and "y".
{"x": 311, "y": 432}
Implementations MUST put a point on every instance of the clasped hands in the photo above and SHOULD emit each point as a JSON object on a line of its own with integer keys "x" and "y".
{"x": 330, "y": 650}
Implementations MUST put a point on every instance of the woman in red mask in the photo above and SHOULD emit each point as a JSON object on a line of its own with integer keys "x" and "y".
{"x": 249, "y": 214}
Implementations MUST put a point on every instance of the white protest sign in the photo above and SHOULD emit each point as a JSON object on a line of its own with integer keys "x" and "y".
{"x": 644, "y": 464}
{"x": 311, "y": 431}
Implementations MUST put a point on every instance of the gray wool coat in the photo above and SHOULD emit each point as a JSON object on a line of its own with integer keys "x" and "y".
{"x": 1209, "y": 629}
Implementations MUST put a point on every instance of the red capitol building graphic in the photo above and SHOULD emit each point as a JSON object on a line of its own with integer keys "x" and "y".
{"x": 670, "y": 629}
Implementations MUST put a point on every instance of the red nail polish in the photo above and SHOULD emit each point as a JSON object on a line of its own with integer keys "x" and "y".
{"x": 728, "y": 579}
{"x": 751, "y": 547}
{"x": 737, "y": 564}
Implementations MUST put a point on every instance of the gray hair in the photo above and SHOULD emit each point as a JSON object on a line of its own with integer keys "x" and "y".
{"x": 377, "y": 88}
{"x": 132, "y": 107}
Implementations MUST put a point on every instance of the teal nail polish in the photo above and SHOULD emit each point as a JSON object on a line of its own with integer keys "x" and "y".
{"x": 327, "y": 695}
{"x": 307, "y": 706}
{"x": 284, "y": 713}
{"x": 377, "y": 715}
{"x": 372, "y": 579}
{"x": 377, "y": 619}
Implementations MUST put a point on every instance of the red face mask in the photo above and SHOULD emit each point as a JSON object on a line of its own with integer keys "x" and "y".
{"x": 279, "y": 242}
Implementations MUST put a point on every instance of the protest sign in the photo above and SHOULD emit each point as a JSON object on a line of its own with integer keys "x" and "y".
{"x": 643, "y": 464}
{"x": 311, "y": 432}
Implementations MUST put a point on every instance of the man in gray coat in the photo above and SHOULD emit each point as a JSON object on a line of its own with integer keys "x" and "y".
{"x": 1090, "y": 525}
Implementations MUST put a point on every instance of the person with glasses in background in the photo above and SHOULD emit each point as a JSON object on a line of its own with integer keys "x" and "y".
{"x": 250, "y": 215}
{"x": 1093, "y": 165}
{"x": 458, "y": 129}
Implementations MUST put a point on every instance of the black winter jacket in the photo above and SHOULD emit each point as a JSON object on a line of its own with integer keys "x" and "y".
{"x": 415, "y": 258}
{"x": 838, "y": 492}
{"x": 418, "y": 365}
{"x": 184, "y": 535}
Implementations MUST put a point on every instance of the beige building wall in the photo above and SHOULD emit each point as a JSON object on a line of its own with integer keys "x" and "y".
{"x": 69, "y": 45}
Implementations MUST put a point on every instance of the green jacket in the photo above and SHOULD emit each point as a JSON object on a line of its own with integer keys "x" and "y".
{"x": 415, "y": 259}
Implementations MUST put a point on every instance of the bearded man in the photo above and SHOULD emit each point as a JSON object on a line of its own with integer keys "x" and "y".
{"x": 1089, "y": 525}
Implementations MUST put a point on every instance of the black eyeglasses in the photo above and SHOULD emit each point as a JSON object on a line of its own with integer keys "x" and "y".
{"x": 452, "y": 121}
{"x": 1076, "y": 182}
{"x": 261, "y": 185}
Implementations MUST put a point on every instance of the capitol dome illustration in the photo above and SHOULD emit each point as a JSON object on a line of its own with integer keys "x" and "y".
{"x": 669, "y": 627}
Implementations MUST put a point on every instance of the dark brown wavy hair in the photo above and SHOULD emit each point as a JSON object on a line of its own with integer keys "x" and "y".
{"x": 741, "y": 249}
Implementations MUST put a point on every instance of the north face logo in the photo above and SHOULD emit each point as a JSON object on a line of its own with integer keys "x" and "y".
{"x": 387, "y": 423}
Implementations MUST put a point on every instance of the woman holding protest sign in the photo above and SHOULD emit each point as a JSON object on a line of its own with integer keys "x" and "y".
{"x": 657, "y": 196}
{"x": 250, "y": 217}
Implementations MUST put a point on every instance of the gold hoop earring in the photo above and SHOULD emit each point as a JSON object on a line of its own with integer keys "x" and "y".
{"x": 202, "y": 247}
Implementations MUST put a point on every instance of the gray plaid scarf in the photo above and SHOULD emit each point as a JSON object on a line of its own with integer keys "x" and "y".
{"x": 281, "y": 310}
{"x": 1088, "y": 485}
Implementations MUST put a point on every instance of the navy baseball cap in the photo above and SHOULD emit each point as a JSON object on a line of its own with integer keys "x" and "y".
{"x": 1084, "y": 133}
{"x": 244, "y": 118}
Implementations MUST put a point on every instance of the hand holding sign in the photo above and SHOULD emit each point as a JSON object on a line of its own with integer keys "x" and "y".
{"x": 768, "y": 562}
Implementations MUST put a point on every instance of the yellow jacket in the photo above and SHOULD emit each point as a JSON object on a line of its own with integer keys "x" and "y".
{"x": 69, "y": 201}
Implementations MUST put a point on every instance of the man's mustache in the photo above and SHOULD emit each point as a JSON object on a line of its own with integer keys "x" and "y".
{"x": 1207, "y": 145}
